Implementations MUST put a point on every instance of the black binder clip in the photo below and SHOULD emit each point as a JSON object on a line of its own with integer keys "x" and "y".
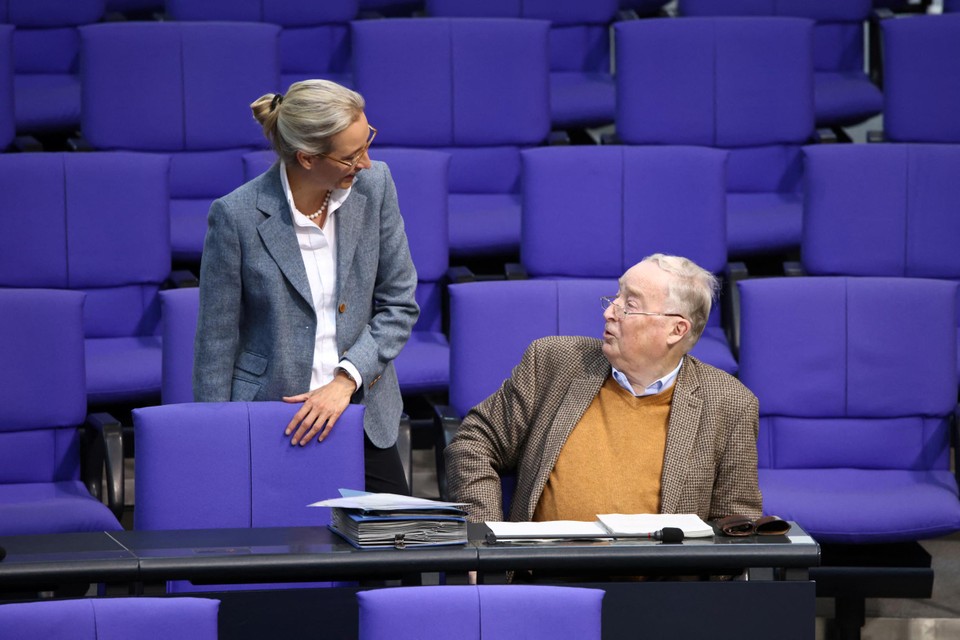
{"x": 399, "y": 541}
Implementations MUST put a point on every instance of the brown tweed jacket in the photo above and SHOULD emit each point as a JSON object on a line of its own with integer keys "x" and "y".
{"x": 710, "y": 463}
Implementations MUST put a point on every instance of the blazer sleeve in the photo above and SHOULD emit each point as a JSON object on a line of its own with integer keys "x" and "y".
{"x": 218, "y": 322}
{"x": 395, "y": 309}
{"x": 490, "y": 442}
{"x": 737, "y": 488}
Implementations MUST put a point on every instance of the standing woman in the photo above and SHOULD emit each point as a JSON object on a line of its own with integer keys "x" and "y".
{"x": 306, "y": 282}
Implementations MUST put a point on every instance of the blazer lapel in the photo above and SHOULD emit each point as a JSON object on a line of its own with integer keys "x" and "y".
{"x": 278, "y": 234}
{"x": 681, "y": 435}
{"x": 350, "y": 218}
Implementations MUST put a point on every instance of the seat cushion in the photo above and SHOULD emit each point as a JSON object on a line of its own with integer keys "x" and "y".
{"x": 762, "y": 222}
{"x": 123, "y": 369}
{"x": 863, "y": 505}
{"x": 713, "y": 349}
{"x": 483, "y": 224}
{"x": 845, "y": 98}
{"x": 52, "y": 507}
{"x": 424, "y": 364}
{"x": 581, "y": 99}
{"x": 46, "y": 102}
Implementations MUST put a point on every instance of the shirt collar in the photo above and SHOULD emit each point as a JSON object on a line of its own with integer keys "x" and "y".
{"x": 337, "y": 198}
{"x": 654, "y": 388}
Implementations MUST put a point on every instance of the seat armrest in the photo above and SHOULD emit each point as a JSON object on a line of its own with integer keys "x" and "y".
{"x": 447, "y": 422}
{"x": 27, "y": 144}
{"x": 79, "y": 144}
{"x": 558, "y": 137}
{"x": 793, "y": 269}
{"x": 515, "y": 271}
{"x": 734, "y": 273}
{"x": 458, "y": 275}
{"x": 875, "y": 136}
{"x": 610, "y": 138}
{"x": 103, "y": 452}
{"x": 627, "y": 14}
{"x": 180, "y": 279}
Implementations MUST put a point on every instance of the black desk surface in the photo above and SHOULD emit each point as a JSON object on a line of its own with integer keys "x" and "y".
{"x": 291, "y": 554}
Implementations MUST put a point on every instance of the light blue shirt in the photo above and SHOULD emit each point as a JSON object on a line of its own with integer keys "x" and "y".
{"x": 655, "y": 387}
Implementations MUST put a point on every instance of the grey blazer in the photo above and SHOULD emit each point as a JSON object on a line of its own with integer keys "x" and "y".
{"x": 256, "y": 327}
{"x": 709, "y": 466}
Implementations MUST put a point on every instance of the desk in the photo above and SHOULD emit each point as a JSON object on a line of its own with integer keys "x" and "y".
{"x": 783, "y": 602}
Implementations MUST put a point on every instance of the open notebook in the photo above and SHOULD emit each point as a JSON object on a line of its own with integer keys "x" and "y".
{"x": 610, "y": 525}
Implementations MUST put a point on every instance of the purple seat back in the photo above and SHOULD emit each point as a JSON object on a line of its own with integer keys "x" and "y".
{"x": 642, "y": 200}
{"x": 921, "y": 75}
{"x": 492, "y": 324}
{"x": 318, "y": 27}
{"x": 7, "y": 126}
{"x": 112, "y": 619}
{"x": 220, "y": 465}
{"x": 187, "y": 88}
{"x": 90, "y": 226}
{"x": 179, "y": 310}
{"x": 484, "y": 612}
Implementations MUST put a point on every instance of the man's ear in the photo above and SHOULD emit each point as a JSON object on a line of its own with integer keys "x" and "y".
{"x": 681, "y": 328}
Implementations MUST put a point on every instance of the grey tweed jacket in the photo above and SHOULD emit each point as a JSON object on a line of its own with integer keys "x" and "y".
{"x": 710, "y": 463}
{"x": 256, "y": 327}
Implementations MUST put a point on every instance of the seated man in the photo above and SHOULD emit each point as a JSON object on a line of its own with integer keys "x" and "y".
{"x": 629, "y": 424}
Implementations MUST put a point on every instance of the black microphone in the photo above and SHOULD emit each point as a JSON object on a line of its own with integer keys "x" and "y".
{"x": 668, "y": 535}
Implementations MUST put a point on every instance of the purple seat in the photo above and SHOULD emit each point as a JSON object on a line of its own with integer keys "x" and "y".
{"x": 843, "y": 94}
{"x": 642, "y": 200}
{"x": 741, "y": 84}
{"x": 856, "y": 404}
{"x": 7, "y": 125}
{"x": 224, "y": 465}
{"x": 484, "y": 612}
{"x": 314, "y": 36}
{"x": 47, "y": 60}
{"x": 951, "y": 6}
{"x": 883, "y": 210}
{"x": 104, "y": 231}
{"x": 581, "y": 86}
{"x": 179, "y": 309}
{"x": 187, "y": 89}
{"x": 112, "y": 619}
{"x": 475, "y": 88}
{"x": 42, "y": 405}
{"x": 921, "y": 76}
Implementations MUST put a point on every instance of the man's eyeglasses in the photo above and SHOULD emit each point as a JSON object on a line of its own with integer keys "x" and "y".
{"x": 610, "y": 301}
{"x": 351, "y": 163}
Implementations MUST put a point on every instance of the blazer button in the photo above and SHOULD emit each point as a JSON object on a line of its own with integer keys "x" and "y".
{"x": 343, "y": 307}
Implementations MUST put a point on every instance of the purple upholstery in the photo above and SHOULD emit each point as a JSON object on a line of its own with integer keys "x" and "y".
{"x": 743, "y": 84}
{"x": 485, "y": 612}
{"x": 642, "y": 200}
{"x": 921, "y": 75}
{"x": 112, "y": 619}
{"x": 843, "y": 93}
{"x": 41, "y": 342}
{"x": 581, "y": 87}
{"x": 47, "y": 60}
{"x": 7, "y": 125}
{"x": 951, "y": 6}
{"x": 475, "y": 88}
{"x": 179, "y": 311}
{"x": 318, "y": 27}
{"x": 854, "y": 419}
{"x": 221, "y": 465}
{"x": 896, "y": 215}
{"x": 90, "y": 227}
{"x": 193, "y": 83}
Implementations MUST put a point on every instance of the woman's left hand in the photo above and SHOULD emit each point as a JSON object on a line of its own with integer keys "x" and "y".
{"x": 321, "y": 409}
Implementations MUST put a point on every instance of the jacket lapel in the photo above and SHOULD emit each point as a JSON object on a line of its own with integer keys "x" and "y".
{"x": 278, "y": 234}
{"x": 349, "y": 225}
{"x": 681, "y": 435}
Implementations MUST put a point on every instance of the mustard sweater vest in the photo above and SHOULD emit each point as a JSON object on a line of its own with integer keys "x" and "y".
{"x": 613, "y": 459}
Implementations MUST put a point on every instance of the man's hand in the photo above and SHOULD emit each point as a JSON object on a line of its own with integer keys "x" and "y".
{"x": 321, "y": 409}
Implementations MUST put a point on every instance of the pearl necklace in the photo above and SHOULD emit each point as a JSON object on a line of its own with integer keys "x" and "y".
{"x": 323, "y": 207}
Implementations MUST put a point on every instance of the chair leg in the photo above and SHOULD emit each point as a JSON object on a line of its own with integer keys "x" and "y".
{"x": 849, "y": 617}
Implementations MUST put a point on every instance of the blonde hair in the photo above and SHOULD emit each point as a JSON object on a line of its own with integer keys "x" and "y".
{"x": 692, "y": 289}
{"x": 311, "y": 112}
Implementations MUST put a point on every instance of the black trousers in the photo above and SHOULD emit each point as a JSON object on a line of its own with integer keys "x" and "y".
{"x": 384, "y": 472}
